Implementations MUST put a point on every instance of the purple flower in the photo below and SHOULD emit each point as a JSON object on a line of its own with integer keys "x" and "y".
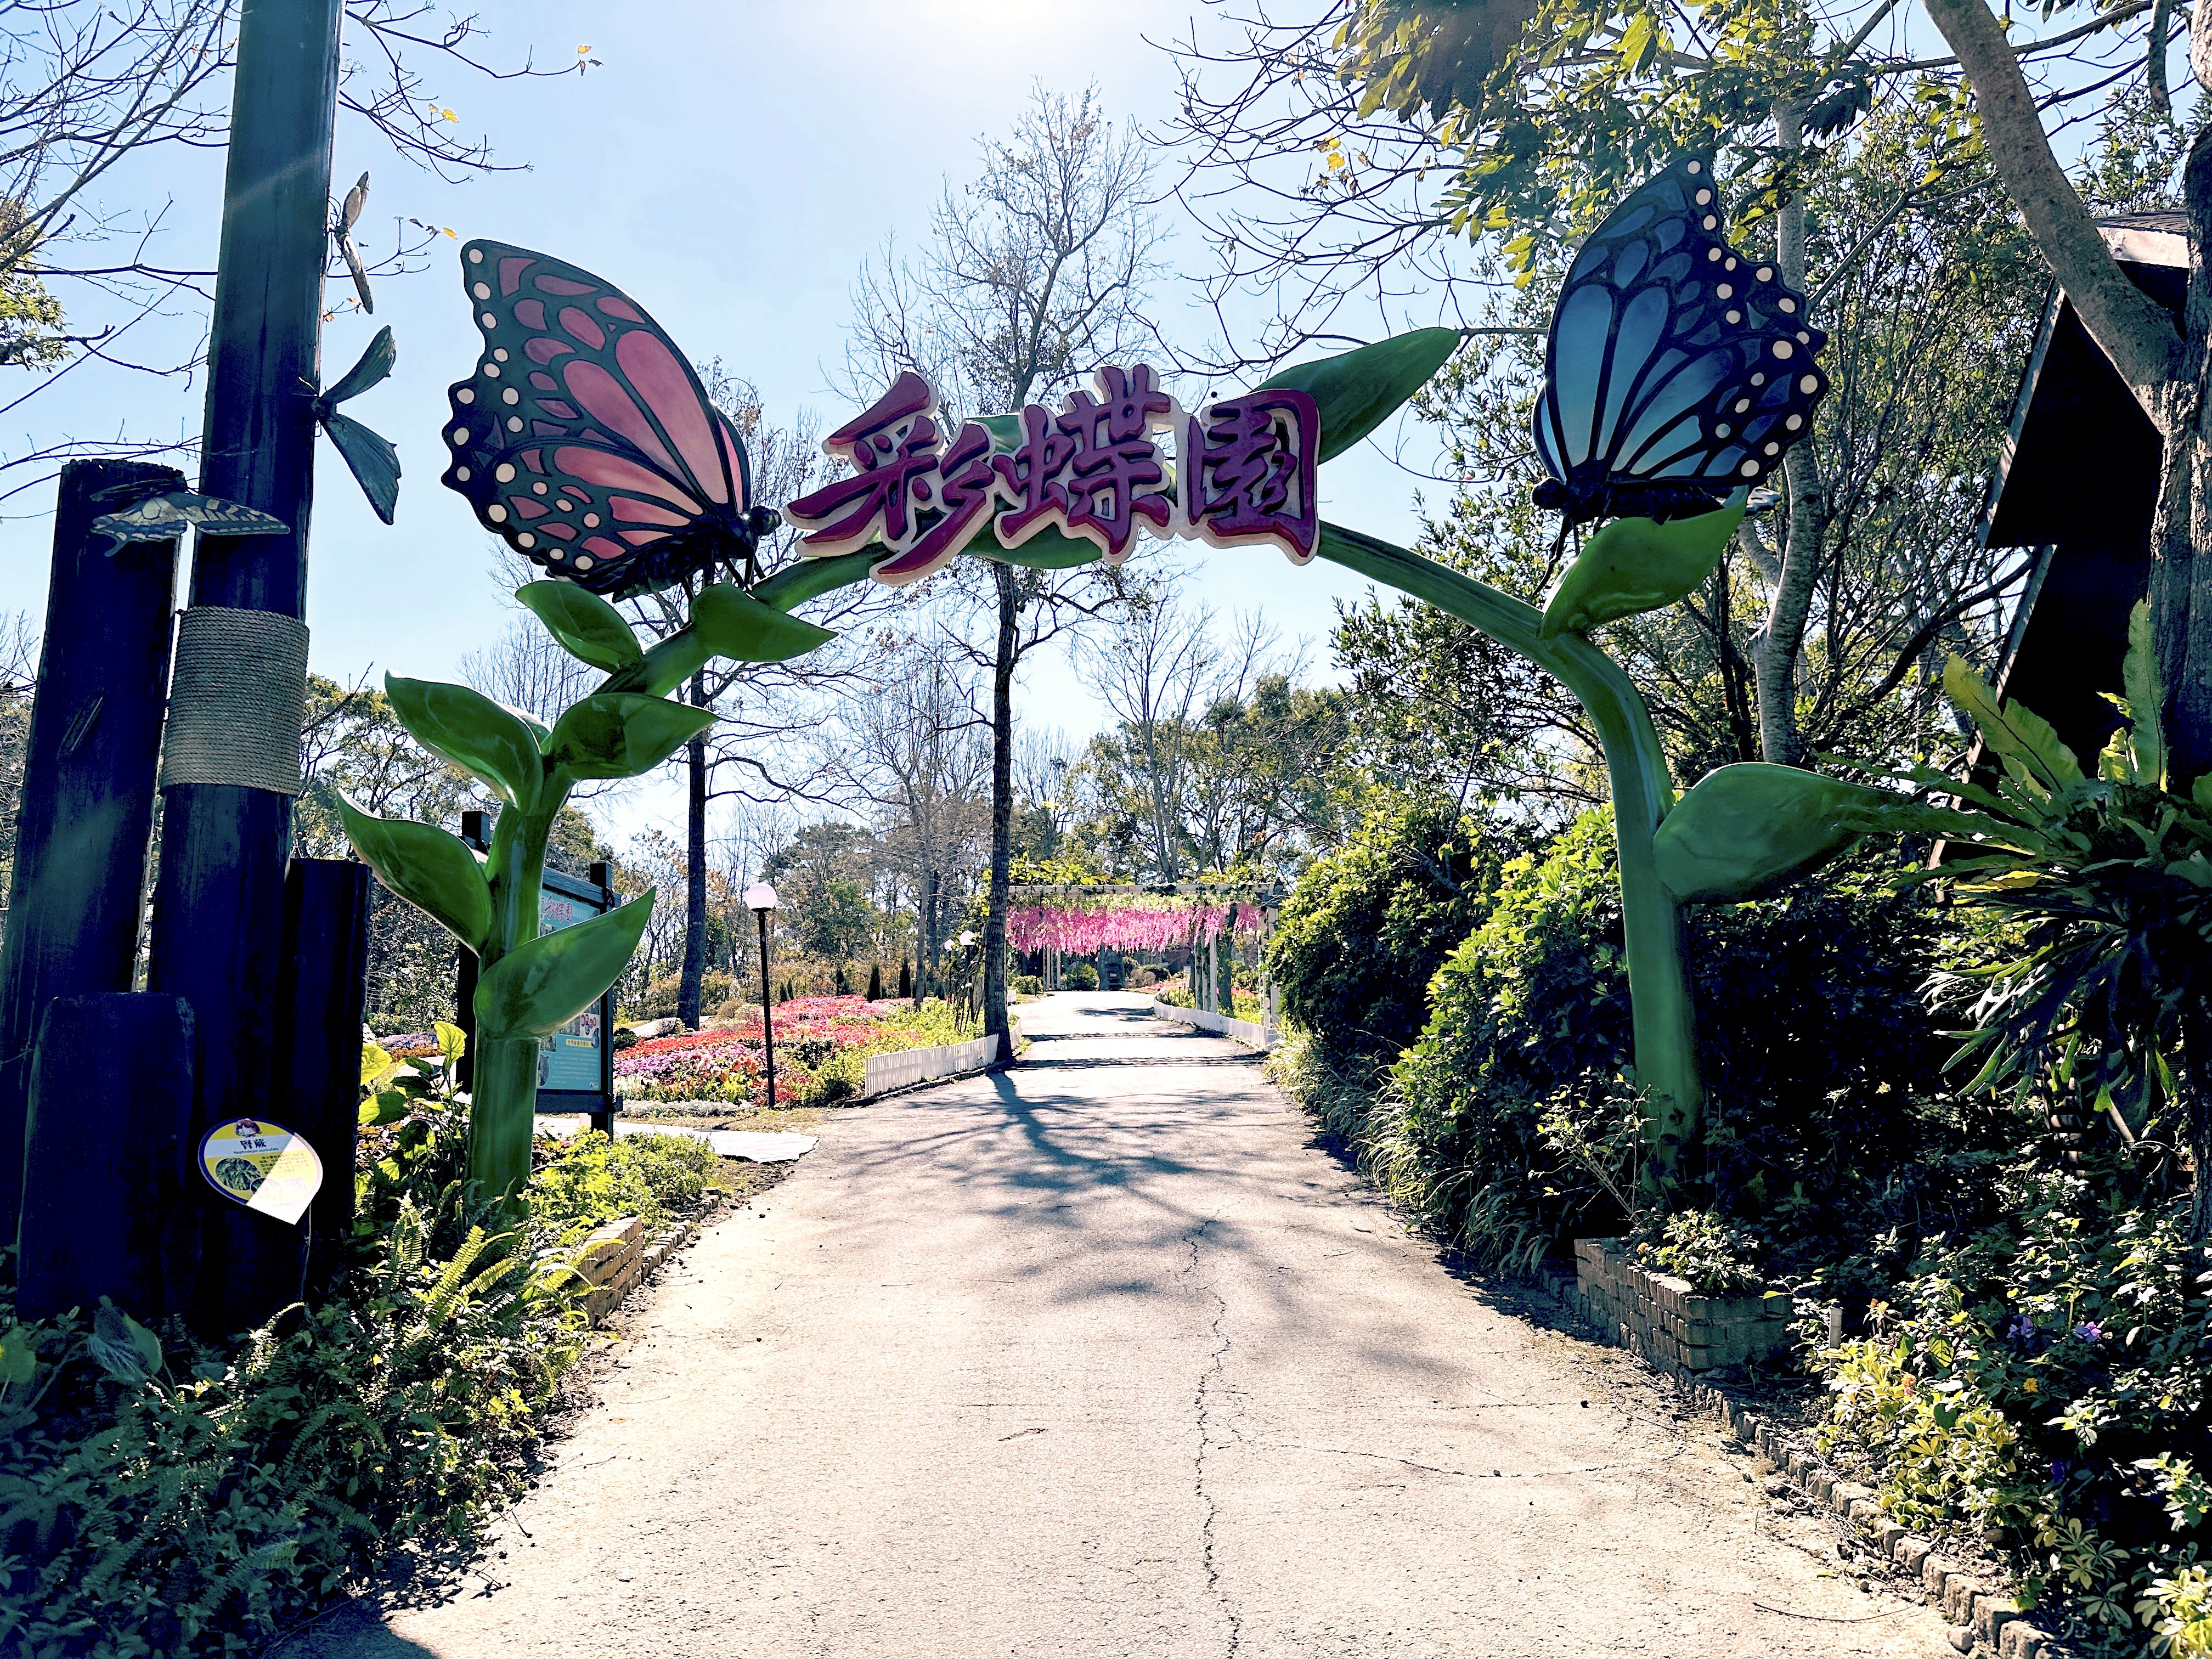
{"x": 2058, "y": 1471}
{"x": 2090, "y": 1332}
{"x": 2022, "y": 1329}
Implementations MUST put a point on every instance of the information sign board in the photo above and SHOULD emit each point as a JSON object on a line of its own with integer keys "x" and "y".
{"x": 575, "y": 1071}
{"x": 263, "y": 1166}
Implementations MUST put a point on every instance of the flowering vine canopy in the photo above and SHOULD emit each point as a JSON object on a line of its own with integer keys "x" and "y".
{"x": 1085, "y": 927}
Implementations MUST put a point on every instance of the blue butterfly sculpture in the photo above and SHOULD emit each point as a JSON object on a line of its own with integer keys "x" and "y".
{"x": 1678, "y": 369}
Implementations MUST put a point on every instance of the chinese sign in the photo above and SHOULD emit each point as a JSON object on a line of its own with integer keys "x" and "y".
{"x": 262, "y": 1165}
{"x": 1242, "y": 474}
{"x": 568, "y": 1059}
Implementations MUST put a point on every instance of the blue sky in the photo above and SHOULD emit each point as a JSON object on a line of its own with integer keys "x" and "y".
{"x": 732, "y": 167}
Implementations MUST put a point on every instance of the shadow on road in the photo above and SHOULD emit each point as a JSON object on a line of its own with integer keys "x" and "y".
{"x": 353, "y": 1631}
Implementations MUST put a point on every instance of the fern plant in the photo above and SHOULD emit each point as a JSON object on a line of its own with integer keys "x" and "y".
{"x": 2098, "y": 994}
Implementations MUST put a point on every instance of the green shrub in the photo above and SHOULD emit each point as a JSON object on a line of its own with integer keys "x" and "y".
{"x": 1368, "y": 924}
{"x": 1818, "y": 1056}
{"x": 1028, "y": 985}
{"x": 591, "y": 1178}
{"x": 838, "y": 1077}
{"x": 195, "y": 1501}
{"x": 2046, "y": 1380}
{"x": 1714, "y": 1257}
{"x": 1079, "y": 977}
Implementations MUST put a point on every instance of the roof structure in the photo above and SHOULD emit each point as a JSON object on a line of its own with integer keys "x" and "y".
{"x": 2078, "y": 481}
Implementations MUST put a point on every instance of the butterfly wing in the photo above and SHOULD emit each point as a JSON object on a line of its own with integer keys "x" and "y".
{"x": 1675, "y": 365}
{"x": 372, "y": 459}
{"x": 585, "y": 439}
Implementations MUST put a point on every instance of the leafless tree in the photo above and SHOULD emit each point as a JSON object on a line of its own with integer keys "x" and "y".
{"x": 87, "y": 87}
{"x": 1034, "y": 274}
{"x": 1043, "y": 758}
{"x": 756, "y": 752}
{"x": 1155, "y": 670}
{"x": 919, "y": 749}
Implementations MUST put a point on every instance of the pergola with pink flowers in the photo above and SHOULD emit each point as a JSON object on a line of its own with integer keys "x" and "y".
{"x": 1210, "y": 921}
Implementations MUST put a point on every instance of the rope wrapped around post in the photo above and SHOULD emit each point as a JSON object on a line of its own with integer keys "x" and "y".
{"x": 238, "y": 698}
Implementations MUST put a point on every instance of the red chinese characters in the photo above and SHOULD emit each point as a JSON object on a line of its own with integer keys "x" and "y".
{"x": 921, "y": 501}
{"x": 1092, "y": 468}
{"x": 1248, "y": 473}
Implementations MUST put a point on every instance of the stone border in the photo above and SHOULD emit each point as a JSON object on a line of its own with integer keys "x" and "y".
{"x": 1667, "y": 1323}
{"x": 616, "y": 1259}
{"x": 1983, "y": 1620}
{"x": 1249, "y": 1032}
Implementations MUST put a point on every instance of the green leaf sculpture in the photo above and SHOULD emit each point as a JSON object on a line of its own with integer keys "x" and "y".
{"x": 620, "y": 734}
{"x": 547, "y": 981}
{"x": 1635, "y": 565}
{"x": 1357, "y": 391}
{"x": 588, "y": 628}
{"x": 474, "y": 733}
{"x": 1747, "y": 827}
{"x": 731, "y": 622}
{"x": 426, "y": 867}
{"x": 529, "y": 985}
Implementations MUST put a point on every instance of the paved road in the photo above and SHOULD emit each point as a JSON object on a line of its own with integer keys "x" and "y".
{"x": 1106, "y": 1360}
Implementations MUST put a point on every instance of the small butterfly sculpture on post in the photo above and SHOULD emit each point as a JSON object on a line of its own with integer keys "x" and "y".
{"x": 1677, "y": 370}
{"x": 586, "y": 441}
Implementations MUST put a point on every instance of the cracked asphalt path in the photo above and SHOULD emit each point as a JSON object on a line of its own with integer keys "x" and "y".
{"x": 1111, "y": 1360}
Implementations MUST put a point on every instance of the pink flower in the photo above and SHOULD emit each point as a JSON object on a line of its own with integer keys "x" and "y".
{"x": 1083, "y": 930}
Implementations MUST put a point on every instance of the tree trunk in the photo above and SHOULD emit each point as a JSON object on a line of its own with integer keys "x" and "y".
{"x": 2181, "y": 577}
{"x": 1778, "y": 738}
{"x": 925, "y": 943}
{"x": 695, "y": 874}
{"x": 1002, "y": 808}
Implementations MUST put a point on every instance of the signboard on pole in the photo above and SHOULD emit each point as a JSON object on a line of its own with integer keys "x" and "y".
{"x": 575, "y": 1069}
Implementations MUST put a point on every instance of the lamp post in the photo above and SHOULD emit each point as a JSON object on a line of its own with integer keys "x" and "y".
{"x": 760, "y": 899}
{"x": 968, "y": 967}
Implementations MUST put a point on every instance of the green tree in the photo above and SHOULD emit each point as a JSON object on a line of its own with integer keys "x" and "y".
{"x": 1482, "y": 139}
{"x": 1369, "y": 923}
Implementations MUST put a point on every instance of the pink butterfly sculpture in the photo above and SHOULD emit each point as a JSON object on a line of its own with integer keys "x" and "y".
{"x": 584, "y": 440}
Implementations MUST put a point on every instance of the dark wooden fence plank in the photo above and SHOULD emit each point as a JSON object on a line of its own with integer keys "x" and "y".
{"x": 73, "y": 898}
{"x": 107, "y": 1150}
{"x": 318, "y": 1046}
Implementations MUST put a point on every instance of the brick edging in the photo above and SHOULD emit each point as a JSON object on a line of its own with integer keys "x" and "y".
{"x": 1984, "y": 1619}
{"x": 617, "y": 1258}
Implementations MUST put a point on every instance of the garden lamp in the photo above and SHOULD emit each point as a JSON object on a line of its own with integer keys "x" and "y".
{"x": 760, "y": 899}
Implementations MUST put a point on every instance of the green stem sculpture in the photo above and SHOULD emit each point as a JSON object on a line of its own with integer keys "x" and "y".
{"x": 1636, "y": 766}
{"x": 529, "y": 985}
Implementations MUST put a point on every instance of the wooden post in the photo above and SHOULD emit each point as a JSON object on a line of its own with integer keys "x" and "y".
{"x": 87, "y": 806}
{"x": 108, "y": 1146}
{"x": 602, "y": 875}
{"x": 319, "y": 1053}
{"x": 219, "y": 907}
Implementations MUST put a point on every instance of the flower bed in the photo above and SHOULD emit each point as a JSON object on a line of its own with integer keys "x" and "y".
{"x": 820, "y": 1045}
